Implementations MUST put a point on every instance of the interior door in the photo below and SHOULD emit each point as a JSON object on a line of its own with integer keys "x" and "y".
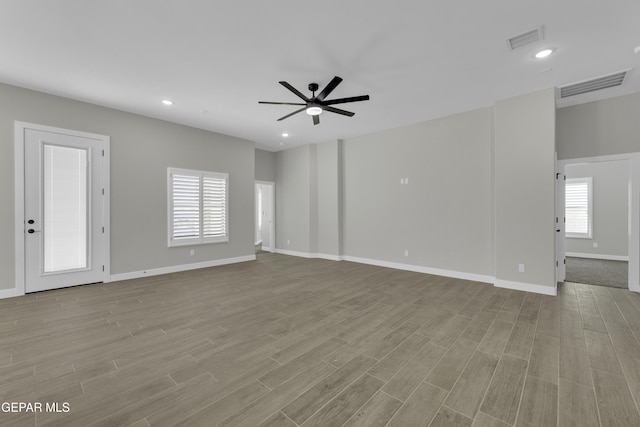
{"x": 64, "y": 210}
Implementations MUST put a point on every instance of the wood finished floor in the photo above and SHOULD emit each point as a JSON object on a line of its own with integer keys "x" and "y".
{"x": 286, "y": 341}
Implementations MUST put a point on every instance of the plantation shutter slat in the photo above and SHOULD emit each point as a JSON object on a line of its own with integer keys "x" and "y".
{"x": 578, "y": 207}
{"x": 198, "y": 208}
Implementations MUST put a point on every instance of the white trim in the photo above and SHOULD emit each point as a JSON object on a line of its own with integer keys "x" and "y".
{"x": 527, "y": 287}
{"x": 397, "y": 266}
{"x": 598, "y": 256}
{"x": 19, "y": 140}
{"x": 420, "y": 269}
{"x": 10, "y": 293}
{"x": 309, "y": 255}
{"x": 179, "y": 268}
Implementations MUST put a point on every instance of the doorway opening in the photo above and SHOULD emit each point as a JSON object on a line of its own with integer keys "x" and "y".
{"x": 265, "y": 225}
{"x": 602, "y": 227}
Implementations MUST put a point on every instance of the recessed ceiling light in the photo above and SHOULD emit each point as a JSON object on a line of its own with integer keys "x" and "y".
{"x": 167, "y": 102}
{"x": 284, "y": 134}
{"x": 282, "y": 143}
{"x": 636, "y": 49}
{"x": 544, "y": 53}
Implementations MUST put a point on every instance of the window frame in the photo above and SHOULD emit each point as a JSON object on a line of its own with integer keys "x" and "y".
{"x": 589, "y": 233}
{"x": 201, "y": 239}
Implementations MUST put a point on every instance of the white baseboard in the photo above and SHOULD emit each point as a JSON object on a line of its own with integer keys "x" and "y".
{"x": 527, "y": 287}
{"x": 179, "y": 268}
{"x": 10, "y": 293}
{"x": 420, "y": 269}
{"x": 598, "y": 256}
{"x": 309, "y": 255}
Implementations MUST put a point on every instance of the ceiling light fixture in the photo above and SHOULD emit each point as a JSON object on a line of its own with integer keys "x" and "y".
{"x": 167, "y": 102}
{"x": 314, "y": 111}
{"x": 285, "y": 135}
{"x": 544, "y": 53}
{"x": 636, "y": 49}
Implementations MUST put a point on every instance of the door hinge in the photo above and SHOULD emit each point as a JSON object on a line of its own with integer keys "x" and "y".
{"x": 103, "y": 268}
{"x": 557, "y": 175}
{"x": 102, "y": 230}
{"x": 102, "y": 153}
{"x": 556, "y": 263}
{"x": 103, "y": 191}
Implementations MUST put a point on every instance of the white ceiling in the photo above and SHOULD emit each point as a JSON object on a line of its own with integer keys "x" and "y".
{"x": 216, "y": 59}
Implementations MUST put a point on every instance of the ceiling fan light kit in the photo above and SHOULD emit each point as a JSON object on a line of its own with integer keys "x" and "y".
{"x": 315, "y": 105}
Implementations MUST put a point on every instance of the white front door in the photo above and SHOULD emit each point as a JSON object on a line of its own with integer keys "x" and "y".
{"x": 63, "y": 209}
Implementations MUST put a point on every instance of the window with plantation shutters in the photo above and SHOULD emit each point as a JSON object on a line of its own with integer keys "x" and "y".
{"x": 578, "y": 207}
{"x": 198, "y": 207}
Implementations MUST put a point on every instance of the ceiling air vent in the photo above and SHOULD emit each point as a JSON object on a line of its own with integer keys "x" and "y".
{"x": 610, "y": 80}
{"x": 525, "y": 38}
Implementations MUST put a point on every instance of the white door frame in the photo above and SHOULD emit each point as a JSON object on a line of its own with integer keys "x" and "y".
{"x": 19, "y": 159}
{"x": 272, "y": 227}
{"x": 634, "y": 208}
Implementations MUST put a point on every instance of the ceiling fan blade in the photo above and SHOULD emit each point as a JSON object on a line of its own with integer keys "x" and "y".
{"x": 328, "y": 88}
{"x": 345, "y": 100}
{"x": 338, "y": 111}
{"x": 294, "y": 90}
{"x": 281, "y": 103}
{"x": 316, "y": 119}
{"x": 291, "y": 114}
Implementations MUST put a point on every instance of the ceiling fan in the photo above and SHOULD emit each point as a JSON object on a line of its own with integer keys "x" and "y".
{"x": 315, "y": 105}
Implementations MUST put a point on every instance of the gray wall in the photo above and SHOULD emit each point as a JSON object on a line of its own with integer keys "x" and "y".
{"x": 141, "y": 150}
{"x": 293, "y": 199}
{"x": 525, "y": 188}
{"x": 444, "y": 215}
{"x": 265, "y": 165}
{"x": 610, "y": 126}
{"x": 610, "y": 208}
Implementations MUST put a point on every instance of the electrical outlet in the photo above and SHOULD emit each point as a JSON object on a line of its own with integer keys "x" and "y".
{"x": 193, "y": 252}
{"x": 521, "y": 268}
{"x": 288, "y": 242}
{"x": 406, "y": 252}
{"x": 595, "y": 244}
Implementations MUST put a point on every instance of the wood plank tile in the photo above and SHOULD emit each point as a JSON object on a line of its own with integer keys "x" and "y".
{"x": 447, "y": 417}
{"x": 420, "y": 408}
{"x": 395, "y": 360}
{"x": 592, "y": 320}
{"x": 631, "y": 368}
{"x": 614, "y": 401}
{"x": 496, "y": 338}
{"x": 577, "y": 405}
{"x": 601, "y": 352}
{"x": 549, "y": 317}
{"x": 545, "y": 358}
{"x": 521, "y": 340}
{"x": 403, "y": 383}
{"x": 530, "y": 308}
{"x": 469, "y": 390}
{"x": 574, "y": 361}
{"x": 450, "y": 332}
{"x": 539, "y": 405}
{"x": 484, "y": 420}
{"x": 347, "y": 403}
{"x": 624, "y": 341}
{"x": 376, "y": 412}
{"x": 219, "y": 410}
{"x": 277, "y": 420}
{"x": 446, "y": 372}
{"x": 503, "y": 396}
{"x": 479, "y": 326}
{"x": 304, "y": 406}
{"x": 268, "y": 404}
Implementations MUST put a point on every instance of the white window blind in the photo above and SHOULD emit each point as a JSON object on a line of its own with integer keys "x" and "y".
{"x": 198, "y": 207}
{"x": 578, "y": 203}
